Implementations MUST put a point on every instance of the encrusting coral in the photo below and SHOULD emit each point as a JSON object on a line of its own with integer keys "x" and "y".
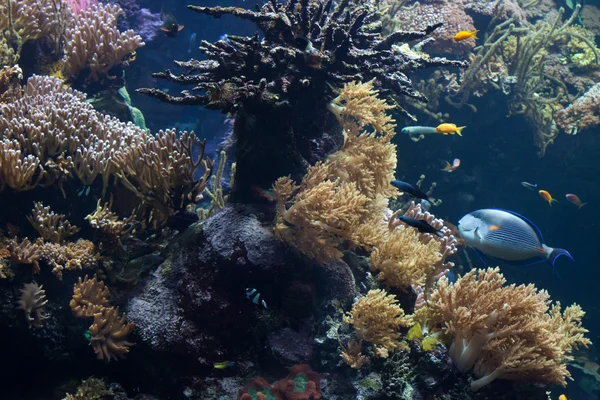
{"x": 376, "y": 318}
{"x": 505, "y": 332}
{"x": 32, "y": 301}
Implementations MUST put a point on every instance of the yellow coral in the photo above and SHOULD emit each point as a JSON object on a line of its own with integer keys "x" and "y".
{"x": 342, "y": 199}
{"x": 376, "y": 318}
{"x": 506, "y": 332}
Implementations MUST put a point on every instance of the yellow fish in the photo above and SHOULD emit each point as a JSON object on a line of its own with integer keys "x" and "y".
{"x": 547, "y": 196}
{"x": 223, "y": 364}
{"x": 463, "y": 35}
{"x": 449, "y": 129}
{"x": 562, "y": 397}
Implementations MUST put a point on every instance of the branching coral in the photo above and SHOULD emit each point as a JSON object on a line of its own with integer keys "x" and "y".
{"x": 94, "y": 42}
{"x": 51, "y": 134}
{"x": 32, "y": 301}
{"x": 90, "y": 296}
{"x": 376, "y": 318}
{"x": 108, "y": 222}
{"x": 505, "y": 332}
{"x": 52, "y": 227}
{"x": 24, "y": 252}
{"x": 280, "y": 85}
{"x": 109, "y": 334}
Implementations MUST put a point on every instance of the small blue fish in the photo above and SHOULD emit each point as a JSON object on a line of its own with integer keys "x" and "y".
{"x": 223, "y": 364}
{"x": 425, "y": 205}
{"x": 255, "y": 297}
{"x": 420, "y": 225}
{"x": 507, "y": 236}
{"x": 530, "y": 186}
{"x": 412, "y": 190}
{"x": 417, "y": 133}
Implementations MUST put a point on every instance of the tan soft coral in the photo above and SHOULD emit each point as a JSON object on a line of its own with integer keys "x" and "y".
{"x": 90, "y": 296}
{"x": 376, "y": 318}
{"x": 505, "y": 332}
{"x": 51, "y": 226}
{"x": 405, "y": 257}
{"x": 109, "y": 334}
{"x": 342, "y": 199}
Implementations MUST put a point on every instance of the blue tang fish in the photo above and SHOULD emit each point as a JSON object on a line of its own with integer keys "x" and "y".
{"x": 507, "y": 236}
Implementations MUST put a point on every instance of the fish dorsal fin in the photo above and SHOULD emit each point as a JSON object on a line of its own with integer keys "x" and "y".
{"x": 534, "y": 226}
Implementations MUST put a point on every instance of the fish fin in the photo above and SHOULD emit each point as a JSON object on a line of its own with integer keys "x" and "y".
{"x": 180, "y": 28}
{"x": 162, "y": 28}
{"x": 582, "y": 204}
{"x": 534, "y": 226}
{"x": 475, "y": 34}
{"x": 459, "y": 130}
{"x": 555, "y": 253}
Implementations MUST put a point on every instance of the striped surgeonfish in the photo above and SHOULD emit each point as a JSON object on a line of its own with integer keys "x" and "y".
{"x": 508, "y": 236}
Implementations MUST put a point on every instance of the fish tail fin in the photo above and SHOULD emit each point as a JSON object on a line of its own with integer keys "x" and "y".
{"x": 552, "y": 201}
{"x": 553, "y": 254}
{"x": 475, "y": 34}
{"x": 459, "y": 130}
{"x": 582, "y": 204}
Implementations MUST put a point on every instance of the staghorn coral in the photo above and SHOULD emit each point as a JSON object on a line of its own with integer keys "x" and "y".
{"x": 90, "y": 296}
{"x": 376, "y": 318}
{"x": 505, "y": 332}
{"x": 30, "y": 19}
{"x": 32, "y": 301}
{"x": 109, "y": 334}
{"x": 95, "y": 43}
{"x": 52, "y": 227}
{"x": 309, "y": 48}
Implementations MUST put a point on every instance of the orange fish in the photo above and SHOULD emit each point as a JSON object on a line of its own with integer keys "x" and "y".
{"x": 547, "y": 196}
{"x": 562, "y": 397}
{"x": 449, "y": 129}
{"x": 463, "y": 35}
{"x": 451, "y": 167}
{"x": 573, "y": 198}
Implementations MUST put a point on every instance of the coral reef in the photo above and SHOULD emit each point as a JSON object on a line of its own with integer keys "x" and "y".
{"x": 506, "y": 332}
{"x": 90, "y": 296}
{"x": 309, "y": 47}
{"x": 582, "y": 113}
{"x": 376, "y": 318}
{"x": 109, "y": 333}
{"x": 52, "y": 227}
{"x": 342, "y": 199}
{"x": 302, "y": 383}
{"x": 95, "y": 44}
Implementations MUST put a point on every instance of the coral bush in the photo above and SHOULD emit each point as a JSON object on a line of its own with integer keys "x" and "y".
{"x": 506, "y": 332}
{"x": 376, "y": 318}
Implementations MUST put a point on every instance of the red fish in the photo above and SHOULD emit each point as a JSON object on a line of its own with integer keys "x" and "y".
{"x": 573, "y": 198}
